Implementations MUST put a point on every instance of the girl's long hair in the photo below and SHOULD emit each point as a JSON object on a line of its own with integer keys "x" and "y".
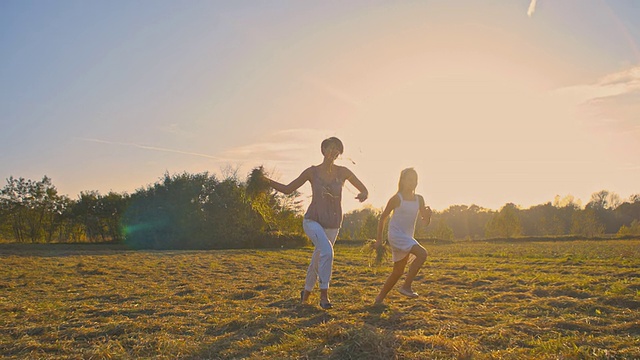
{"x": 403, "y": 175}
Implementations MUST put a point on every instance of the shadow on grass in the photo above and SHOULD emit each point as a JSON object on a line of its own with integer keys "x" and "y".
{"x": 385, "y": 317}
{"x": 230, "y": 338}
{"x": 294, "y": 310}
{"x": 341, "y": 337}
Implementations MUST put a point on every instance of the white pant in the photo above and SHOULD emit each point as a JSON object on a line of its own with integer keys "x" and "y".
{"x": 322, "y": 258}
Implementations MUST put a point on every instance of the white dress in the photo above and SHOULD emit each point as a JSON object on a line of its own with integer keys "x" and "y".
{"x": 401, "y": 228}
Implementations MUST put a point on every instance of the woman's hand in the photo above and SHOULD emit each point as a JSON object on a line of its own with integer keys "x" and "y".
{"x": 362, "y": 196}
{"x": 364, "y": 193}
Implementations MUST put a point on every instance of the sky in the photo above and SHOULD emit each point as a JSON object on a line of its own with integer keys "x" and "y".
{"x": 492, "y": 102}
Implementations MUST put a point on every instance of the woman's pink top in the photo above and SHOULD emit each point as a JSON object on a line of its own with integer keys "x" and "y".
{"x": 326, "y": 200}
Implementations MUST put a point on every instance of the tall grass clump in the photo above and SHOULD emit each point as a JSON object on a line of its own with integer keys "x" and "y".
{"x": 376, "y": 256}
{"x": 257, "y": 183}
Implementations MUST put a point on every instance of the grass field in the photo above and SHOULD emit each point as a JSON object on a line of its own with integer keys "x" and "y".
{"x": 479, "y": 300}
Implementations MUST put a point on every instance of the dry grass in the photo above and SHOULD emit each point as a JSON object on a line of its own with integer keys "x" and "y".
{"x": 257, "y": 182}
{"x": 544, "y": 300}
{"x": 377, "y": 256}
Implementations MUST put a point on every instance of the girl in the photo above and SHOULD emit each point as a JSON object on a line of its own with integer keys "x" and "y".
{"x": 323, "y": 218}
{"x": 405, "y": 205}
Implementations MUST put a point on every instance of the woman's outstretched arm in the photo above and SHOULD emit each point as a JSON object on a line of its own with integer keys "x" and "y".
{"x": 292, "y": 186}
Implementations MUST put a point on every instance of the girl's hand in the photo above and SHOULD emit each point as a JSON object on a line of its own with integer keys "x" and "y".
{"x": 426, "y": 213}
{"x": 362, "y": 196}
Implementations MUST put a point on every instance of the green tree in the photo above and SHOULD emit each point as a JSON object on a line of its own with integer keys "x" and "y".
{"x": 586, "y": 223}
{"x": 466, "y": 222}
{"x": 201, "y": 212}
{"x": 86, "y": 212}
{"x": 99, "y": 216}
{"x": 628, "y": 212}
{"x": 567, "y": 201}
{"x": 505, "y": 223}
{"x": 604, "y": 204}
{"x": 542, "y": 220}
{"x": 442, "y": 231}
{"x": 64, "y": 228}
{"x": 633, "y": 229}
{"x": 111, "y": 209}
{"x": 604, "y": 200}
{"x": 360, "y": 224}
{"x": 288, "y": 213}
{"x": 6, "y": 233}
{"x": 30, "y": 207}
{"x": 169, "y": 213}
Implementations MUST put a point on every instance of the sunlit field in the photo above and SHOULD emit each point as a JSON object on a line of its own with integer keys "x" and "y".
{"x": 479, "y": 300}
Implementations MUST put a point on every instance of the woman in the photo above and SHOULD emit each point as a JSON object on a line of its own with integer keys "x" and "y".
{"x": 323, "y": 218}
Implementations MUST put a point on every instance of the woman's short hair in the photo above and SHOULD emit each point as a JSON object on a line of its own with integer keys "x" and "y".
{"x": 331, "y": 141}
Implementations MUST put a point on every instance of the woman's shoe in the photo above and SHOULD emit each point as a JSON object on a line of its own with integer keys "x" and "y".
{"x": 326, "y": 305}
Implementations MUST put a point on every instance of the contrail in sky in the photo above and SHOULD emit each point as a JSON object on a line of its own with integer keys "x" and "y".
{"x": 155, "y": 148}
{"x": 277, "y": 148}
{"x": 532, "y": 8}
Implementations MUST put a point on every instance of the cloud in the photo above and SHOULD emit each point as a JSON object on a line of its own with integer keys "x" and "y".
{"x": 616, "y": 84}
{"x": 629, "y": 78}
{"x": 280, "y": 146}
{"x": 532, "y": 8}
{"x": 267, "y": 151}
{"x": 620, "y": 113}
{"x": 611, "y": 102}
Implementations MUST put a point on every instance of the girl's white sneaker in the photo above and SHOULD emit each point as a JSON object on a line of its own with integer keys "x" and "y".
{"x": 408, "y": 293}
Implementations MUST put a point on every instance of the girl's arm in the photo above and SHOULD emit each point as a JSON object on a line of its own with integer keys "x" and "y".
{"x": 425, "y": 211}
{"x": 292, "y": 186}
{"x": 364, "y": 193}
{"x": 393, "y": 203}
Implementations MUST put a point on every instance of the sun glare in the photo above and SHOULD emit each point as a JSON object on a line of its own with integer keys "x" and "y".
{"x": 464, "y": 118}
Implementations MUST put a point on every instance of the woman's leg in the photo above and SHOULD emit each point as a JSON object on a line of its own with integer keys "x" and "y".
{"x": 321, "y": 264}
{"x": 396, "y": 273}
{"x": 421, "y": 256}
{"x": 312, "y": 274}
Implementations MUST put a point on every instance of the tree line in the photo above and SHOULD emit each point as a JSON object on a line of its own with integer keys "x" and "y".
{"x": 182, "y": 211}
{"x": 604, "y": 214}
{"x": 200, "y": 211}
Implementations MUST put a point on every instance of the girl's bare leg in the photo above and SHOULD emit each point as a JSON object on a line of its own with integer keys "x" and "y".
{"x": 396, "y": 273}
{"x": 421, "y": 256}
